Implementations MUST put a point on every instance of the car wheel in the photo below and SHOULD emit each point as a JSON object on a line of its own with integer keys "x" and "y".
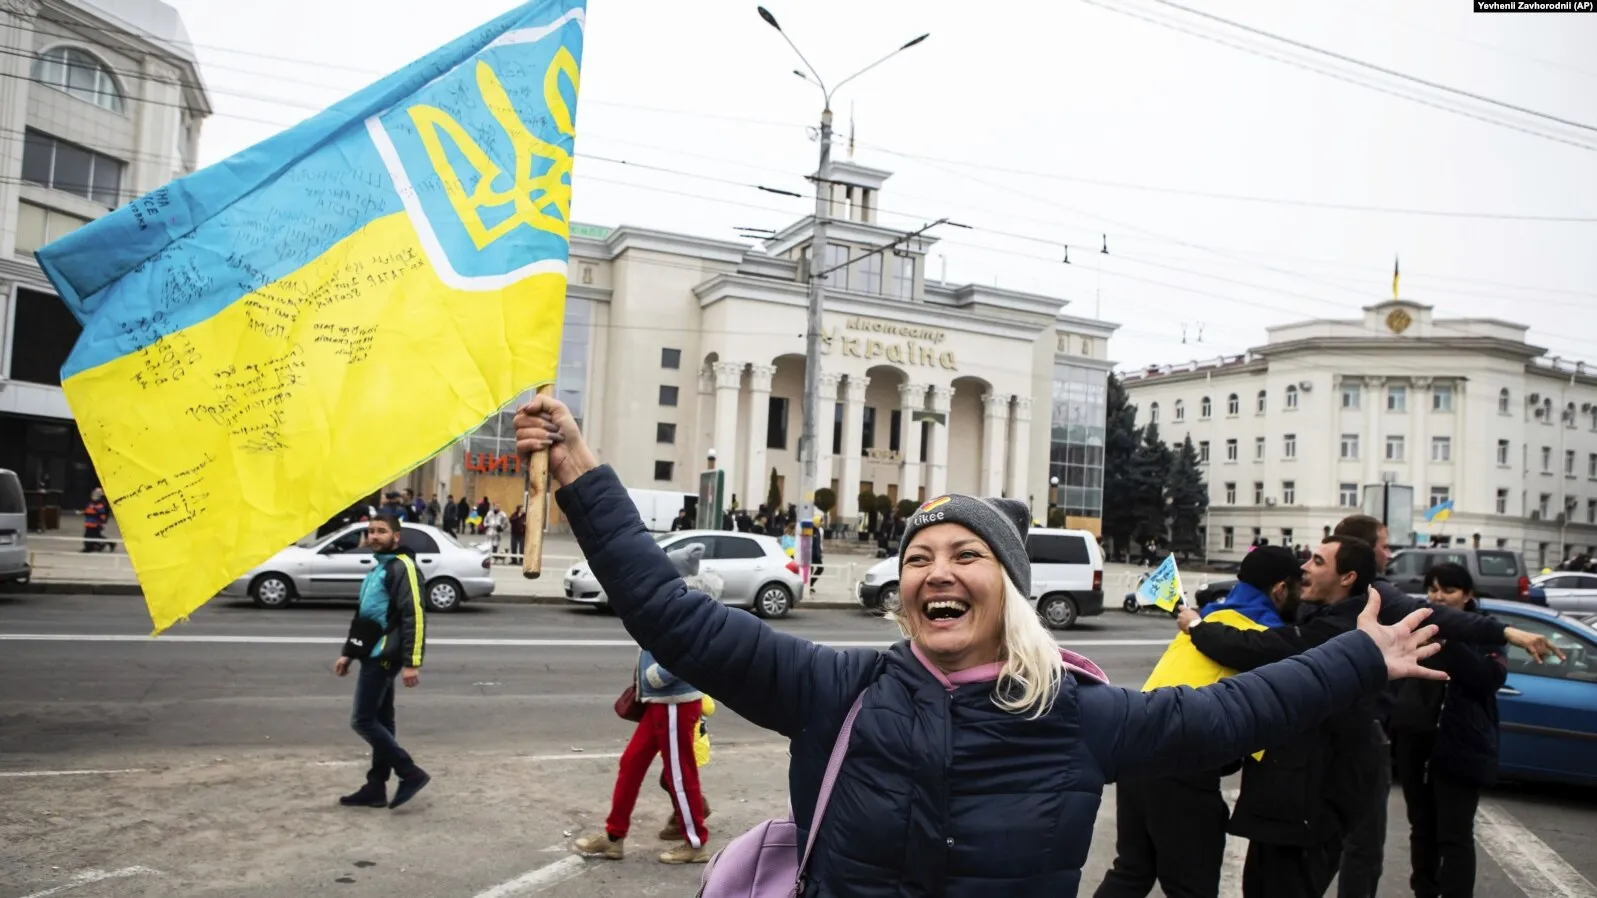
{"x": 272, "y": 591}
{"x": 774, "y": 600}
{"x": 1058, "y": 612}
{"x": 888, "y": 601}
{"x": 443, "y": 596}
{"x": 1131, "y": 605}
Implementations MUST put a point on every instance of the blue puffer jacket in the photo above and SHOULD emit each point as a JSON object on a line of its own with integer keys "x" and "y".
{"x": 942, "y": 793}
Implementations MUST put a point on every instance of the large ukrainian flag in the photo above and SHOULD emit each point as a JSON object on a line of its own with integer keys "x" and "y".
{"x": 275, "y": 336}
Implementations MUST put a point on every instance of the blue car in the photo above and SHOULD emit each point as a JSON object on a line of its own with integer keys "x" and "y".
{"x": 1548, "y": 711}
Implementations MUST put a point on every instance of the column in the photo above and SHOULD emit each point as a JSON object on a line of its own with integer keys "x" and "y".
{"x": 913, "y": 399}
{"x": 159, "y": 118}
{"x": 703, "y": 419}
{"x": 1020, "y": 451}
{"x": 825, "y": 427}
{"x": 853, "y": 427}
{"x": 728, "y": 383}
{"x": 937, "y": 457}
{"x": 16, "y": 56}
{"x": 1375, "y": 450}
{"x": 759, "y": 474}
{"x": 1419, "y": 407}
{"x": 994, "y": 429}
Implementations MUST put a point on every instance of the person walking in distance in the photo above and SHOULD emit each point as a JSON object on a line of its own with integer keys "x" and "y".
{"x": 518, "y": 534}
{"x": 388, "y": 637}
{"x": 495, "y": 525}
{"x": 95, "y": 517}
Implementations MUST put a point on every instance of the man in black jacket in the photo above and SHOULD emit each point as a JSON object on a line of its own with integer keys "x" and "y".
{"x": 1299, "y": 799}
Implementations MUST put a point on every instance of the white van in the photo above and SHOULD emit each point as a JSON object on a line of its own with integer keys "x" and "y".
{"x": 13, "y": 530}
{"x": 1066, "y": 578}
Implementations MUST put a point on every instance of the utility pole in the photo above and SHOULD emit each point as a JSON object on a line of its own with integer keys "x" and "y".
{"x": 809, "y": 474}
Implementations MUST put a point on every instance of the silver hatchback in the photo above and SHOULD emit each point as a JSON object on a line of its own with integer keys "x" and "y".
{"x": 755, "y": 571}
{"x": 333, "y": 567}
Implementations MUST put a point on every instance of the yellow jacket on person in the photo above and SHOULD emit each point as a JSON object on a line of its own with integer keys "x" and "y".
{"x": 701, "y": 741}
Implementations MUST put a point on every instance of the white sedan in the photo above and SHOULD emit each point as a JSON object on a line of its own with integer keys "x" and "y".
{"x": 754, "y": 570}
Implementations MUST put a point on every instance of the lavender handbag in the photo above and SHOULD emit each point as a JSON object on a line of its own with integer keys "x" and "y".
{"x": 760, "y": 863}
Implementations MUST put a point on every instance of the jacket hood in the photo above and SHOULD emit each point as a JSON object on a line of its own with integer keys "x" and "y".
{"x": 1249, "y": 601}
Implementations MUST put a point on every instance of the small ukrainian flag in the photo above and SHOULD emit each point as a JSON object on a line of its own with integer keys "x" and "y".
{"x": 1441, "y": 511}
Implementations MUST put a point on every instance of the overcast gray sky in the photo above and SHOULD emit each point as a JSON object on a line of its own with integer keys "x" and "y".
{"x": 1005, "y": 121}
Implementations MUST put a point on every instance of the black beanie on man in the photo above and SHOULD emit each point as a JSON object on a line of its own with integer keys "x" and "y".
{"x": 1001, "y": 523}
{"x": 1266, "y": 566}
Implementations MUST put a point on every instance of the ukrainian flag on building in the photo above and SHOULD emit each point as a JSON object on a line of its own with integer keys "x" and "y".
{"x": 270, "y": 338}
{"x": 1440, "y": 512}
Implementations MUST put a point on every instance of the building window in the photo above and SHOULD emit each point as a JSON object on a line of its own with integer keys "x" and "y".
{"x": 1591, "y": 511}
{"x": 1291, "y": 396}
{"x": 1228, "y": 538}
{"x": 1350, "y": 396}
{"x": 1442, "y": 398}
{"x": 72, "y": 169}
{"x": 837, "y": 428}
{"x": 1230, "y": 450}
{"x": 1181, "y": 410}
{"x": 671, "y": 359}
{"x": 1439, "y": 494}
{"x": 1543, "y": 504}
{"x": 868, "y": 430}
{"x": 1502, "y": 453}
{"x": 1203, "y": 451}
{"x": 1394, "y": 448}
{"x": 1502, "y": 501}
{"x": 45, "y": 332}
{"x": 668, "y": 395}
{"x": 1231, "y": 494}
{"x": 571, "y": 378}
{"x": 1547, "y": 412}
{"x": 1502, "y": 401}
{"x": 1286, "y": 537}
{"x": 1289, "y": 492}
{"x": 1397, "y": 399}
{"x": 1569, "y": 463}
{"x": 665, "y": 433}
{"x": 925, "y": 442}
{"x": 1441, "y": 448}
{"x": 1258, "y": 492}
{"x": 1233, "y": 405}
{"x": 776, "y": 423}
{"x": 664, "y": 470}
{"x": 79, "y": 74}
{"x": 1261, "y": 402}
{"x": 1289, "y": 445}
{"x": 865, "y": 276}
{"x": 1350, "y": 446}
{"x": 903, "y": 286}
{"x": 1080, "y": 406}
{"x": 1569, "y": 416}
{"x": 1547, "y": 459}
{"x": 1258, "y": 448}
{"x": 1153, "y": 413}
{"x": 37, "y": 226}
{"x": 1347, "y": 495}
{"x": 1591, "y": 465}
{"x": 1205, "y": 408}
{"x": 1594, "y": 418}
{"x": 894, "y": 425}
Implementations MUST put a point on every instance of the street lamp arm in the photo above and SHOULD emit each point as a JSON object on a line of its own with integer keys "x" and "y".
{"x": 873, "y": 65}
{"x": 815, "y": 74}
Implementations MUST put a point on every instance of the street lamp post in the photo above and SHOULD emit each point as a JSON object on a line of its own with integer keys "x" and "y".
{"x": 808, "y": 462}
{"x": 1053, "y": 496}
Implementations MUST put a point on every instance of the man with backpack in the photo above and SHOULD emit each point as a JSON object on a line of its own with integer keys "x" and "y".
{"x": 387, "y": 636}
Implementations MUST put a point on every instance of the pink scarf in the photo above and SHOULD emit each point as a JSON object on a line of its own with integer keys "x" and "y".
{"x": 986, "y": 673}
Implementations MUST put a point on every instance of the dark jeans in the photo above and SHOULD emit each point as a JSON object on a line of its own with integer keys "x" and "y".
{"x": 92, "y": 537}
{"x": 373, "y": 719}
{"x": 1289, "y": 871}
{"x": 518, "y": 544}
{"x": 1364, "y": 846}
{"x": 1441, "y": 819}
{"x": 1168, "y": 831}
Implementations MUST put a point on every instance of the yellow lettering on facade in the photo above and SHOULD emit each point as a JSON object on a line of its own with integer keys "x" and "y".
{"x": 906, "y": 353}
{"x": 946, "y": 360}
{"x": 531, "y": 195}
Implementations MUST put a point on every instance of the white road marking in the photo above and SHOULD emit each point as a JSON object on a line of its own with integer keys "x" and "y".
{"x": 539, "y": 879}
{"x": 1528, "y": 862}
{"x": 89, "y": 877}
{"x": 457, "y": 641}
{"x": 26, "y": 773}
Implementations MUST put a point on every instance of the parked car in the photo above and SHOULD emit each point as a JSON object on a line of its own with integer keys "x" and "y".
{"x": 1547, "y": 711}
{"x": 755, "y": 571}
{"x": 1498, "y": 573}
{"x": 1066, "y": 578}
{"x": 1568, "y": 590}
{"x": 332, "y": 567}
{"x": 14, "y": 567}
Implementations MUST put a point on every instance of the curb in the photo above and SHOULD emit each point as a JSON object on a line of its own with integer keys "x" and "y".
{"x": 59, "y": 587}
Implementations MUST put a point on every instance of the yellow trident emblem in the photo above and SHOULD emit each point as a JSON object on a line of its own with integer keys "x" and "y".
{"x": 532, "y": 195}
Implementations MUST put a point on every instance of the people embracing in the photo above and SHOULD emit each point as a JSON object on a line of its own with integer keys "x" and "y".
{"x": 973, "y": 753}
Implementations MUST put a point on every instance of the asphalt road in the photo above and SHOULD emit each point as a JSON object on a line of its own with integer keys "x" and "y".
{"x": 207, "y": 762}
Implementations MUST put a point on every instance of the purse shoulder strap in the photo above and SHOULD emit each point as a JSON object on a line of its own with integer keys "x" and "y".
{"x": 833, "y": 765}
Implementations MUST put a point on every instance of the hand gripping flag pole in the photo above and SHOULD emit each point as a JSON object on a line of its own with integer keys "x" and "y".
{"x": 536, "y": 501}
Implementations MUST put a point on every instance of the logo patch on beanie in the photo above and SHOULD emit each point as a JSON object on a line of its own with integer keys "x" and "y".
{"x": 933, "y": 503}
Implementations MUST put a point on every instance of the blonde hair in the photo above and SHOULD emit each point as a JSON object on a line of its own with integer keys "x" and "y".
{"x": 1033, "y": 668}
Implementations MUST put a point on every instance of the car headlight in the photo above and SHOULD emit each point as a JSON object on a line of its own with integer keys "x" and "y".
{"x": 872, "y": 577}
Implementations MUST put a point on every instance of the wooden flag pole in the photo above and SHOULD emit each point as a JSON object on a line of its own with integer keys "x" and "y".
{"x": 536, "y": 501}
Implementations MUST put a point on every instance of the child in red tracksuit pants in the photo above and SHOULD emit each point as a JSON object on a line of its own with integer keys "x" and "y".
{"x": 670, "y": 724}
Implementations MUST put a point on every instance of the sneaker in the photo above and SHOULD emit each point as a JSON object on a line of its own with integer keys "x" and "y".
{"x": 371, "y": 795}
{"x": 686, "y": 854}
{"x": 409, "y": 786}
{"x": 600, "y": 845}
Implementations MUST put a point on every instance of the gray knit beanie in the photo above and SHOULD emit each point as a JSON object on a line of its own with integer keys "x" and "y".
{"x": 1002, "y": 523}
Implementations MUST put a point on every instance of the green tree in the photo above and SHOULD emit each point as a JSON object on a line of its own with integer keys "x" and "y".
{"x": 1187, "y": 497}
{"x": 906, "y": 507}
{"x": 1056, "y": 518}
{"x": 867, "y": 507}
{"x": 773, "y": 498}
{"x": 825, "y": 500}
{"x": 1121, "y": 436}
{"x": 1150, "y": 471}
{"x": 884, "y": 506}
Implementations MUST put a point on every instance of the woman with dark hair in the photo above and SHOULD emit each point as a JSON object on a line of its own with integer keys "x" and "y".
{"x": 1445, "y": 738}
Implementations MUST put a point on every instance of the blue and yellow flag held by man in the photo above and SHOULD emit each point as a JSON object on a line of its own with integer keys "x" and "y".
{"x": 1163, "y": 586}
{"x": 1250, "y": 605}
{"x": 268, "y": 339}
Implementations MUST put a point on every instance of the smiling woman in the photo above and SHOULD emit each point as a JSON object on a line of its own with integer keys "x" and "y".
{"x": 970, "y": 758}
